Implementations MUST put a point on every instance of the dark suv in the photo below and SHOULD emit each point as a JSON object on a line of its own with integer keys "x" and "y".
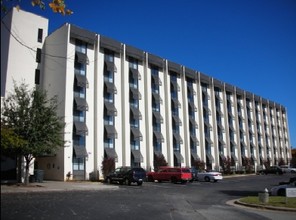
{"x": 127, "y": 175}
{"x": 271, "y": 170}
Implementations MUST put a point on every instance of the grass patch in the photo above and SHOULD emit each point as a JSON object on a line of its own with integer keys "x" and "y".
{"x": 278, "y": 201}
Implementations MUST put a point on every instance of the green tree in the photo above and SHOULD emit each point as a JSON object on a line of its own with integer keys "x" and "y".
{"x": 10, "y": 141}
{"x": 31, "y": 125}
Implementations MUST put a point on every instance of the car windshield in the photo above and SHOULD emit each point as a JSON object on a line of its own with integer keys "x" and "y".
{"x": 186, "y": 171}
{"x": 138, "y": 169}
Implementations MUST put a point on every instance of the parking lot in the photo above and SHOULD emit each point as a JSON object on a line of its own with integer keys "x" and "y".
{"x": 197, "y": 200}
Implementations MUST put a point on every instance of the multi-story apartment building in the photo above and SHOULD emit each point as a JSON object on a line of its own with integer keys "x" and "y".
{"x": 123, "y": 102}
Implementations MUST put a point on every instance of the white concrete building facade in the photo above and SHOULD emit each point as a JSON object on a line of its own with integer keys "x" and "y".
{"x": 123, "y": 102}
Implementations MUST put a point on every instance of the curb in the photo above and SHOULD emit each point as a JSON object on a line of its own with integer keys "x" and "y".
{"x": 237, "y": 202}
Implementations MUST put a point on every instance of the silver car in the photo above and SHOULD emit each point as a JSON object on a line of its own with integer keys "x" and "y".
{"x": 209, "y": 176}
{"x": 280, "y": 190}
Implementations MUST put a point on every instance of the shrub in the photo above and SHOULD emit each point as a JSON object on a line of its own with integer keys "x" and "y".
{"x": 159, "y": 161}
{"x": 226, "y": 165}
{"x": 108, "y": 166}
{"x": 247, "y": 163}
{"x": 199, "y": 164}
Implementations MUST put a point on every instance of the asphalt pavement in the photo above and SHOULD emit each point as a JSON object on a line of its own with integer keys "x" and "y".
{"x": 49, "y": 186}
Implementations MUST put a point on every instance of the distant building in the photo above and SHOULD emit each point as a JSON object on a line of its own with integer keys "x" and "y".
{"x": 122, "y": 102}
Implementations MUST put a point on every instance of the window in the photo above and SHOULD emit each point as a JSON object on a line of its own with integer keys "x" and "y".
{"x": 38, "y": 55}
{"x": 40, "y": 35}
{"x": 155, "y": 106}
{"x": 190, "y": 97}
{"x": 108, "y": 97}
{"x": 109, "y": 56}
{"x": 108, "y": 76}
{"x": 135, "y": 144}
{"x": 37, "y": 76}
{"x": 134, "y": 103}
{"x": 156, "y": 126}
{"x": 108, "y": 143}
{"x": 133, "y": 63}
{"x": 133, "y": 83}
{"x": 80, "y": 68}
{"x": 79, "y": 140}
{"x": 175, "y": 127}
{"x": 156, "y": 144}
{"x": 176, "y": 146}
{"x": 78, "y": 163}
{"x": 108, "y": 120}
{"x": 192, "y": 129}
{"x": 154, "y": 71}
{"x": 155, "y": 88}
{"x": 134, "y": 123}
{"x": 80, "y": 46}
{"x": 79, "y": 92}
{"x": 79, "y": 115}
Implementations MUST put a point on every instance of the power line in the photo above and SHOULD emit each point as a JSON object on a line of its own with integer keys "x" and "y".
{"x": 30, "y": 48}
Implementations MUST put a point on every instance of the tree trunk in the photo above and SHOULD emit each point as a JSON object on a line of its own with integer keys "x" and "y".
{"x": 19, "y": 169}
{"x": 27, "y": 171}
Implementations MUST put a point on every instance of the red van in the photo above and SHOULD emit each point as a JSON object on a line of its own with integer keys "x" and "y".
{"x": 173, "y": 174}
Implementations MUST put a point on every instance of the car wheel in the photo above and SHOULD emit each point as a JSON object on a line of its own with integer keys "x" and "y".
{"x": 293, "y": 171}
{"x": 127, "y": 182}
{"x": 173, "y": 180}
{"x": 281, "y": 192}
{"x": 139, "y": 183}
{"x": 108, "y": 180}
{"x": 150, "y": 179}
{"x": 207, "y": 179}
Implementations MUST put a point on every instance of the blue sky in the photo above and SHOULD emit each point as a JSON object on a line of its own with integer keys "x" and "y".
{"x": 248, "y": 43}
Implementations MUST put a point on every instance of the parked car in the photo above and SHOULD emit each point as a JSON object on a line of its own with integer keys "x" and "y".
{"x": 292, "y": 179}
{"x": 287, "y": 169}
{"x": 173, "y": 174}
{"x": 271, "y": 170}
{"x": 194, "y": 172}
{"x": 127, "y": 175}
{"x": 209, "y": 176}
{"x": 280, "y": 190}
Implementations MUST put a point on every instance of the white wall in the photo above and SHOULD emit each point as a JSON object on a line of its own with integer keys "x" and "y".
{"x": 18, "y": 57}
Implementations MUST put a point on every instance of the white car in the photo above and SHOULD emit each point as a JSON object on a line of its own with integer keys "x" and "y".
{"x": 209, "y": 176}
{"x": 287, "y": 169}
{"x": 281, "y": 189}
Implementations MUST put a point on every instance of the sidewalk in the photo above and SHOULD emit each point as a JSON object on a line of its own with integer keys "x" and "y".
{"x": 48, "y": 186}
